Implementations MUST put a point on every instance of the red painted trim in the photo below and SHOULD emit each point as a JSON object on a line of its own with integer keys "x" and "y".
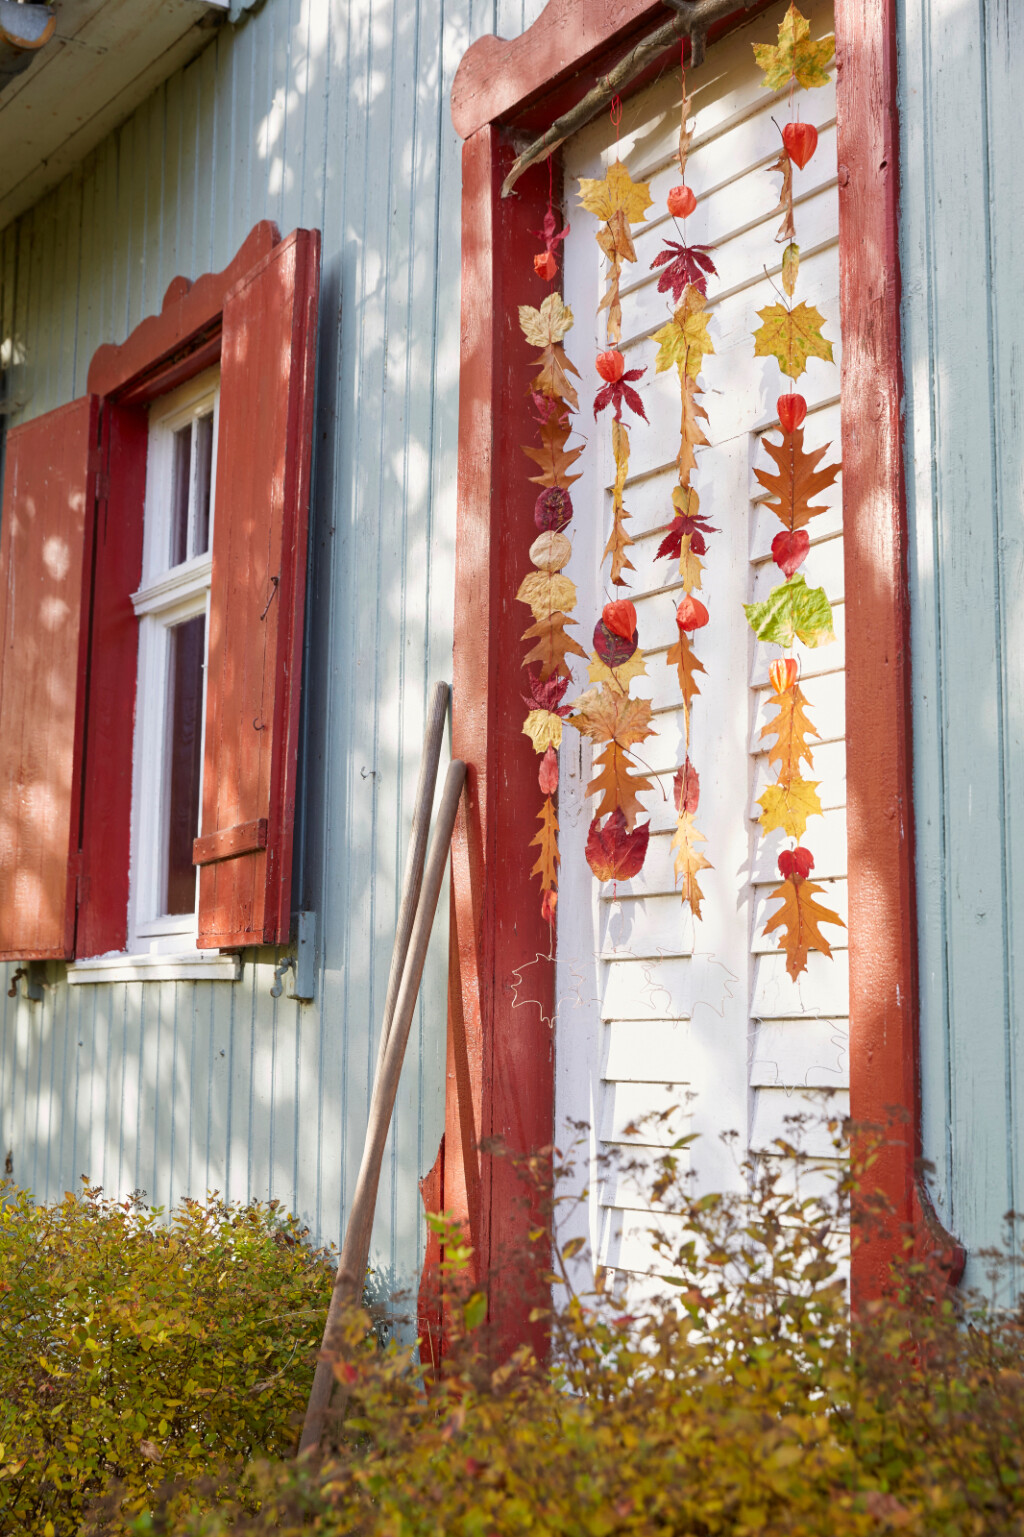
{"x": 500, "y": 1065}
{"x": 189, "y": 310}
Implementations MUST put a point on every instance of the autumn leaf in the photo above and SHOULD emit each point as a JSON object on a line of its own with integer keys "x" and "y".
{"x": 616, "y": 242}
{"x": 619, "y": 392}
{"x": 792, "y": 336}
{"x": 683, "y": 341}
{"x": 691, "y": 434}
{"x": 618, "y": 787}
{"x": 683, "y": 264}
{"x": 544, "y": 728}
{"x": 547, "y": 841}
{"x": 553, "y": 378}
{"x": 614, "y": 853}
{"x": 787, "y": 229}
{"x": 689, "y": 860}
{"x": 546, "y": 591}
{"x": 605, "y": 715}
{"x": 799, "y": 917}
{"x": 793, "y": 611}
{"x": 616, "y": 192}
{"x": 790, "y": 726}
{"x": 553, "y": 645}
{"x": 619, "y": 541}
{"x": 547, "y": 776}
{"x": 683, "y": 657}
{"x": 789, "y": 805}
{"x": 548, "y": 696}
{"x": 686, "y": 788}
{"x": 691, "y": 567}
{"x": 554, "y": 458}
{"x": 618, "y": 677}
{"x": 790, "y": 266}
{"x": 548, "y": 324}
{"x": 797, "y": 56}
{"x": 799, "y": 478}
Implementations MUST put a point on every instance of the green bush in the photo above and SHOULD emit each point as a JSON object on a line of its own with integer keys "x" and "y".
{"x": 748, "y": 1404}
{"x": 136, "y": 1351}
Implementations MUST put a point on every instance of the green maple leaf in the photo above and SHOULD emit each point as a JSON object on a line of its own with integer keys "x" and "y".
{"x": 792, "y": 336}
{"x": 793, "y": 611}
{"x": 797, "y": 56}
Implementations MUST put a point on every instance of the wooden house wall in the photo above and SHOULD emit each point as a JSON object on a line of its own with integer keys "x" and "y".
{"x": 333, "y": 114}
{"x": 963, "y": 248}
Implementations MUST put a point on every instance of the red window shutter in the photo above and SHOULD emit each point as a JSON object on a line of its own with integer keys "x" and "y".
{"x": 46, "y": 540}
{"x": 257, "y": 600}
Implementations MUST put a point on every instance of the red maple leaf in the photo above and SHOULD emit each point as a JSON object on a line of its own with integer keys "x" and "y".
{"x": 548, "y": 234}
{"x": 613, "y": 852}
{"x": 681, "y": 524}
{"x": 547, "y": 695}
{"x": 684, "y": 264}
{"x": 620, "y": 392}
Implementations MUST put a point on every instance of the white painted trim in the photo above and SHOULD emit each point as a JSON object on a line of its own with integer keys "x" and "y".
{"x": 190, "y": 966}
{"x": 177, "y": 587}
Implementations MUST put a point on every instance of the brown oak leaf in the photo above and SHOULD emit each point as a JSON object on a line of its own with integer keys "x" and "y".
{"x": 799, "y": 478}
{"x": 790, "y": 726}
{"x": 547, "y": 841}
{"x": 689, "y": 860}
{"x": 553, "y": 645}
{"x": 787, "y": 229}
{"x": 554, "y": 458}
{"x": 683, "y": 657}
{"x": 618, "y": 787}
{"x": 553, "y": 378}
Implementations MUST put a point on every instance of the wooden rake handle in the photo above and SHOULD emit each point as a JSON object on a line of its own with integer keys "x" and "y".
{"x": 348, "y": 1285}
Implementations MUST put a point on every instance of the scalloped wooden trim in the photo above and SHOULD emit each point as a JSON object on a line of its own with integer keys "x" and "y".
{"x": 189, "y": 309}
{"x": 497, "y": 77}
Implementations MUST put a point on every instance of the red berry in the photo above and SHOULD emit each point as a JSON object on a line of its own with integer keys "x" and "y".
{"x": 545, "y": 266}
{"x": 691, "y": 614}
{"x": 620, "y": 617}
{"x": 792, "y": 411}
{"x": 801, "y": 140}
{"x": 611, "y": 366}
{"x": 681, "y": 201}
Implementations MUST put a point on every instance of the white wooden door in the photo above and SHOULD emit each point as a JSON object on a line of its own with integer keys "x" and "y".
{"x": 655, "y": 1009}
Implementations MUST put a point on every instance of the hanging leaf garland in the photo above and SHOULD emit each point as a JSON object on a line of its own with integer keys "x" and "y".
{"x": 549, "y": 594}
{"x": 683, "y": 343}
{"x": 606, "y": 713}
{"x": 792, "y": 334}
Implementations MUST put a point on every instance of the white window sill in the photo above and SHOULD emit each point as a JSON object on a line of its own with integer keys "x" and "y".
{"x": 190, "y": 966}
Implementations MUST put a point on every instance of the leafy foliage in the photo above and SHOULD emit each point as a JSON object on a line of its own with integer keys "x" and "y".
{"x": 683, "y": 264}
{"x": 799, "y": 478}
{"x": 134, "y": 1352}
{"x": 683, "y": 341}
{"x": 800, "y": 918}
{"x": 797, "y": 56}
{"x": 614, "y": 853}
{"x": 689, "y": 860}
{"x": 791, "y": 336}
{"x": 739, "y": 1399}
{"x": 793, "y": 611}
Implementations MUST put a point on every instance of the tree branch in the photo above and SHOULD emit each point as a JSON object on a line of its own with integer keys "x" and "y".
{"x": 693, "y": 19}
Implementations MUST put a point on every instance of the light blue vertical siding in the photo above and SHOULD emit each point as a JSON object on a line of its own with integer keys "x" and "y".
{"x": 334, "y": 114}
{"x": 963, "y": 268}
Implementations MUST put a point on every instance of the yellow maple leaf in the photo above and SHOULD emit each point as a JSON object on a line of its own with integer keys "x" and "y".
{"x": 683, "y": 341}
{"x": 544, "y": 728}
{"x": 689, "y": 859}
{"x": 622, "y": 676}
{"x": 616, "y": 192}
{"x": 797, "y": 56}
{"x": 546, "y": 591}
{"x": 548, "y": 324}
{"x": 789, "y": 806}
{"x": 792, "y": 336}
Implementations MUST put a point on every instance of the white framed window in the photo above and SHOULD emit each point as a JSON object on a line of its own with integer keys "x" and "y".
{"x": 172, "y": 605}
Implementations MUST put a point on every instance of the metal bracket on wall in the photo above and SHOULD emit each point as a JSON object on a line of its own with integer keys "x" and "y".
{"x": 34, "y": 975}
{"x": 302, "y": 965}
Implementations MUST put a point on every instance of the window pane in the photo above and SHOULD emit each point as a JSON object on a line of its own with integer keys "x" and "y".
{"x": 204, "y": 470}
{"x": 180, "y": 472}
{"x": 185, "y": 757}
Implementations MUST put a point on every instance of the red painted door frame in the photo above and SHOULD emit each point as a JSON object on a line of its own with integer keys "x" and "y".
{"x": 501, "y": 1048}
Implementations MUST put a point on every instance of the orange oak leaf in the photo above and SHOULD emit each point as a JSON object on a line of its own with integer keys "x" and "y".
{"x": 618, "y": 787}
{"x": 799, "y": 479}
{"x": 683, "y": 657}
{"x": 547, "y": 841}
{"x": 790, "y": 726}
{"x": 691, "y": 434}
{"x": 613, "y": 852}
{"x": 799, "y": 918}
{"x": 553, "y": 378}
{"x": 689, "y": 860}
{"x": 553, "y": 645}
